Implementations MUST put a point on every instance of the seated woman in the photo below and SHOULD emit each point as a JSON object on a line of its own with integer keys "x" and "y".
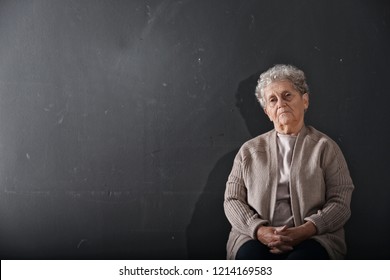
{"x": 288, "y": 194}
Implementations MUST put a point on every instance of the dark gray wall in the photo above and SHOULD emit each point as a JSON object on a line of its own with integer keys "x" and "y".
{"x": 119, "y": 120}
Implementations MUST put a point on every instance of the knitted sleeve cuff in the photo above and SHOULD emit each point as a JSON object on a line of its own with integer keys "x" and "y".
{"x": 253, "y": 227}
{"x": 318, "y": 222}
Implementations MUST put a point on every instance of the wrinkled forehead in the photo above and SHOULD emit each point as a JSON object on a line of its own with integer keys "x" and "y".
{"x": 279, "y": 87}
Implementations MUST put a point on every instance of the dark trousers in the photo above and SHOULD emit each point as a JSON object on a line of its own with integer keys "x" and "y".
{"x": 307, "y": 250}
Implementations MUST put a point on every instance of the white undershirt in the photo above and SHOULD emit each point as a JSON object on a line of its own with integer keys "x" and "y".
{"x": 283, "y": 213}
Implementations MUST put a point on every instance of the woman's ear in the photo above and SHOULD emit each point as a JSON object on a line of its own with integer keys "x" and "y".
{"x": 305, "y": 100}
{"x": 266, "y": 112}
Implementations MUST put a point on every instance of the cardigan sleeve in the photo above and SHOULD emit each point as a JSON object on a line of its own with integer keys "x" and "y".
{"x": 339, "y": 186}
{"x": 241, "y": 216}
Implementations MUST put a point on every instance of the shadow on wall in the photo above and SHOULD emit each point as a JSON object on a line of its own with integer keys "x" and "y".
{"x": 209, "y": 229}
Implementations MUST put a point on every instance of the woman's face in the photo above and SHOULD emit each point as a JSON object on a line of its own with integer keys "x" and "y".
{"x": 285, "y": 106}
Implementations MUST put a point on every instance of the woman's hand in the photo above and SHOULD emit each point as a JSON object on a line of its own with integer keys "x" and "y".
{"x": 272, "y": 237}
{"x": 298, "y": 234}
{"x": 283, "y": 239}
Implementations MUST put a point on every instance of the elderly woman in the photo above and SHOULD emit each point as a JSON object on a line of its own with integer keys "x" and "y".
{"x": 288, "y": 194}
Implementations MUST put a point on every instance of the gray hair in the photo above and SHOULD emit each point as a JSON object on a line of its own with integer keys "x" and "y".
{"x": 281, "y": 72}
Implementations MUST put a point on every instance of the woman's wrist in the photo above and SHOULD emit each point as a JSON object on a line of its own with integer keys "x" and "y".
{"x": 309, "y": 229}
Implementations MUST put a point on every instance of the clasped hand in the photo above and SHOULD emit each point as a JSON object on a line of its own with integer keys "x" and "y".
{"x": 283, "y": 239}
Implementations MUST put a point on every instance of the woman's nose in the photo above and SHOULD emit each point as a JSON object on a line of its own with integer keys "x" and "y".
{"x": 281, "y": 103}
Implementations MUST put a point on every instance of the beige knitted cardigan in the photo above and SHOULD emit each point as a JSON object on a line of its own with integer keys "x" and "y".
{"x": 320, "y": 189}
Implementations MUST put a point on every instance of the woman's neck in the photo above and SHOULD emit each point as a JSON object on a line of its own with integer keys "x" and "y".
{"x": 288, "y": 129}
